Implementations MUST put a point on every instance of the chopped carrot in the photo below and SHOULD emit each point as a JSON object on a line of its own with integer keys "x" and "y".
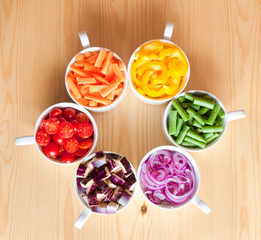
{"x": 86, "y": 80}
{"x": 101, "y": 57}
{"x": 117, "y": 71}
{"x": 79, "y": 64}
{"x": 92, "y": 59}
{"x": 100, "y": 78}
{"x": 91, "y": 68}
{"x": 110, "y": 74}
{"x": 107, "y": 63}
{"x": 96, "y": 88}
{"x": 79, "y": 71}
{"x": 93, "y": 103}
{"x": 88, "y": 54}
{"x": 79, "y": 57}
{"x": 121, "y": 66}
{"x": 111, "y": 95}
{"x": 110, "y": 88}
{"x": 118, "y": 91}
{"x": 97, "y": 99}
{"x": 83, "y": 90}
{"x": 81, "y": 100}
{"x": 73, "y": 88}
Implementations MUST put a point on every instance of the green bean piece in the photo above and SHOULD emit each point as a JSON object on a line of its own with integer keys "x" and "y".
{"x": 188, "y": 144}
{"x": 207, "y": 129}
{"x": 189, "y": 97}
{"x": 210, "y": 139}
{"x": 206, "y": 96}
{"x": 213, "y": 115}
{"x": 182, "y": 134}
{"x": 207, "y": 135}
{"x": 195, "y": 135}
{"x": 221, "y": 113}
{"x": 203, "y": 110}
{"x": 198, "y": 130}
{"x": 219, "y": 120}
{"x": 186, "y": 105}
{"x": 204, "y": 102}
{"x": 196, "y": 123}
{"x": 195, "y": 141}
{"x": 180, "y": 110}
{"x": 197, "y": 116}
{"x": 181, "y": 99}
{"x": 179, "y": 126}
{"x": 173, "y": 122}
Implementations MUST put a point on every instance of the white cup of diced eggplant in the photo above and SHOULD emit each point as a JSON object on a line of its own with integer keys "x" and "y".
{"x": 105, "y": 183}
{"x": 197, "y": 120}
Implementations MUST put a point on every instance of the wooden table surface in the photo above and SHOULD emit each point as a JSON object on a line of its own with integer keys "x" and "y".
{"x": 37, "y": 41}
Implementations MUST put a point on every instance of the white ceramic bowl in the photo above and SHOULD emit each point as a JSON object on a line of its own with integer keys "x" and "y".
{"x": 228, "y": 117}
{"x": 87, "y": 48}
{"x": 31, "y": 139}
{"x": 194, "y": 199}
{"x": 155, "y": 101}
{"x": 87, "y": 211}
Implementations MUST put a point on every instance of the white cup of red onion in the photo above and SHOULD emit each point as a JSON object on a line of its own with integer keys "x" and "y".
{"x": 105, "y": 184}
{"x": 30, "y": 140}
{"x": 224, "y": 119}
{"x": 169, "y": 178}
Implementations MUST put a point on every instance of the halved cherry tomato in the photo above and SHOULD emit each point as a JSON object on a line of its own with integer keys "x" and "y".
{"x": 61, "y": 151}
{"x": 42, "y": 124}
{"x": 67, "y": 157}
{"x": 62, "y": 119}
{"x": 52, "y": 149}
{"x": 82, "y": 117}
{"x": 85, "y": 143}
{"x": 51, "y": 125}
{"x": 85, "y": 130}
{"x": 55, "y": 112}
{"x": 66, "y": 130}
{"x": 69, "y": 113}
{"x": 80, "y": 152}
{"x": 71, "y": 145}
{"x": 75, "y": 124}
{"x": 57, "y": 139}
{"x": 42, "y": 138}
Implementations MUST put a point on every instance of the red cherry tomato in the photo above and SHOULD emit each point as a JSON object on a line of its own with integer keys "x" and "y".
{"x": 57, "y": 139}
{"x": 80, "y": 152}
{"x": 42, "y": 138}
{"x": 85, "y": 130}
{"x": 55, "y": 112}
{"x": 75, "y": 124}
{"x": 69, "y": 113}
{"x": 82, "y": 117}
{"x": 67, "y": 157}
{"x": 85, "y": 143}
{"x": 62, "y": 119}
{"x": 52, "y": 149}
{"x": 51, "y": 125}
{"x": 42, "y": 124}
{"x": 66, "y": 130}
{"x": 71, "y": 145}
{"x": 61, "y": 151}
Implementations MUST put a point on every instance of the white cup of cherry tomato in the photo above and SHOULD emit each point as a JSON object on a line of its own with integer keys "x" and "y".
{"x": 65, "y": 133}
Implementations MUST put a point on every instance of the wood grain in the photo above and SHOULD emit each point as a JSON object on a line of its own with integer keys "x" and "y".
{"x": 222, "y": 42}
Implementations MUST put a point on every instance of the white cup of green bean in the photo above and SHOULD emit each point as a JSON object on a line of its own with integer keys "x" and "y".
{"x": 197, "y": 120}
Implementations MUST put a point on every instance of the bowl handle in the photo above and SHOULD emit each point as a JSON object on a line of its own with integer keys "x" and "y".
{"x": 82, "y": 218}
{"x": 168, "y": 31}
{"x": 84, "y": 39}
{"x": 201, "y": 205}
{"x": 28, "y": 140}
{"x": 235, "y": 115}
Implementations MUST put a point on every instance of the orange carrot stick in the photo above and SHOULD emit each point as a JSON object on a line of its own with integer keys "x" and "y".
{"x": 100, "y": 79}
{"x": 121, "y": 66}
{"x": 110, "y": 88}
{"x": 96, "y": 88}
{"x": 79, "y": 57}
{"x": 101, "y": 57}
{"x": 117, "y": 71}
{"x": 97, "y": 99}
{"x": 111, "y": 95}
{"x": 91, "y": 68}
{"x": 92, "y": 59}
{"x": 107, "y": 63}
{"x": 73, "y": 88}
{"x": 86, "y": 80}
{"x": 118, "y": 91}
{"x": 93, "y": 104}
{"x": 81, "y": 100}
{"x": 79, "y": 71}
{"x": 79, "y": 64}
{"x": 88, "y": 54}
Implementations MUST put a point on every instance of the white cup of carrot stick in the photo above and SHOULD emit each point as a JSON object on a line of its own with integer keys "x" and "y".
{"x": 96, "y": 78}
{"x": 158, "y": 69}
{"x": 197, "y": 120}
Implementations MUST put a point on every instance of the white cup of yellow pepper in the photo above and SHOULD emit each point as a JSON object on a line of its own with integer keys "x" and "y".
{"x": 158, "y": 69}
